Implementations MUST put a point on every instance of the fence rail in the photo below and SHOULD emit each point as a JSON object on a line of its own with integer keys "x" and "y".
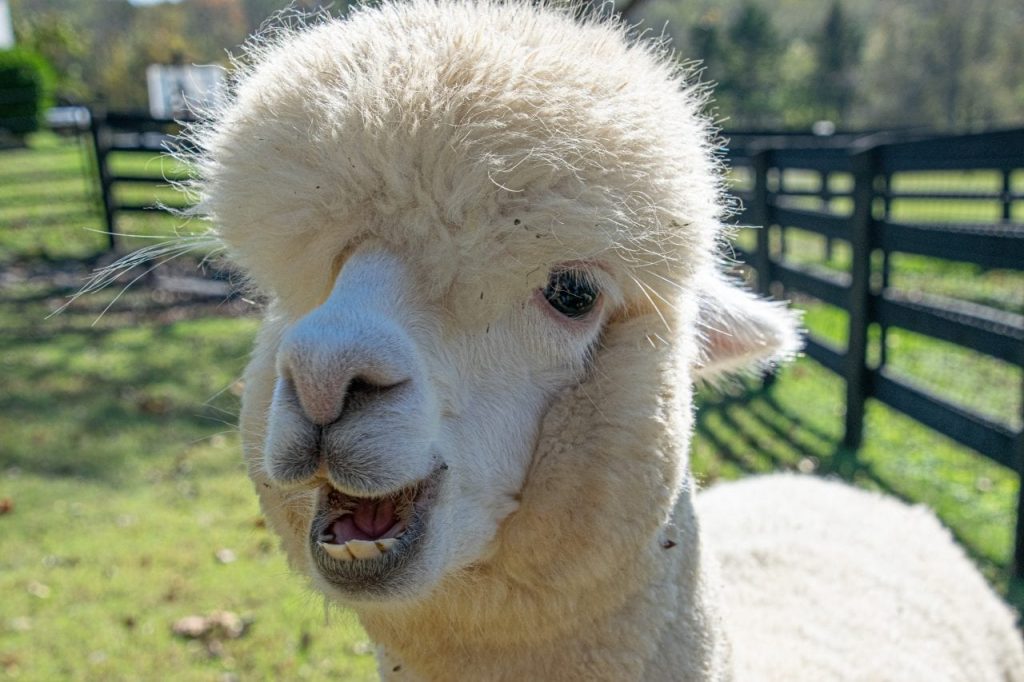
{"x": 864, "y": 289}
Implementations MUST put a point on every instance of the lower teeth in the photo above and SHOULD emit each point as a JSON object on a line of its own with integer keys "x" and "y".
{"x": 358, "y": 549}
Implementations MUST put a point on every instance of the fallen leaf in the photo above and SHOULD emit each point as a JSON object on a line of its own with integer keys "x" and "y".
{"x": 20, "y": 624}
{"x": 10, "y": 662}
{"x": 215, "y": 626}
{"x": 362, "y": 648}
{"x": 227, "y": 624}
{"x": 192, "y": 627}
{"x": 38, "y": 589}
{"x": 156, "y": 405}
{"x": 6, "y": 505}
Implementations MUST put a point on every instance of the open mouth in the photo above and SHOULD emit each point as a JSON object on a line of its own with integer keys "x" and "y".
{"x": 358, "y": 542}
{"x": 365, "y": 527}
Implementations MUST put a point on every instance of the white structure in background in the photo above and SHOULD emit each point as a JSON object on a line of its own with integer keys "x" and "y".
{"x": 6, "y": 26}
{"x": 175, "y": 88}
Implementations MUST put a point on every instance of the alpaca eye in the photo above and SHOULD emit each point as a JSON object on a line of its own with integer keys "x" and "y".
{"x": 571, "y": 293}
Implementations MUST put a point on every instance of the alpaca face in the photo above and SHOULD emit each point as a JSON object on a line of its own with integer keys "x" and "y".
{"x": 485, "y": 231}
{"x": 409, "y": 424}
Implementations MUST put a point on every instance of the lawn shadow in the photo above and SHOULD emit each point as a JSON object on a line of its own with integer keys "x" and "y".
{"x": 754, "y": 431}
{"x": 92, "y": 396}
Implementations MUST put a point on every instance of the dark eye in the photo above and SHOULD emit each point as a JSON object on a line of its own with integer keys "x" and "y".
{"x": 571, "y": 293}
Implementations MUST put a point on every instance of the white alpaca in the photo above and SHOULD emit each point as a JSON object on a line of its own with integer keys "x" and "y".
{"x": 486, "y": 233}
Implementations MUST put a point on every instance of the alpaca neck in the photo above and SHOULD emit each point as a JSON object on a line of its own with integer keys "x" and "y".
{"x": 654, "y": 619}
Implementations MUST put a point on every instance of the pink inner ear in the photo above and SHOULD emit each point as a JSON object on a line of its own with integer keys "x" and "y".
{"x": 740, "y": 332}
{"x": 720, "y": 345}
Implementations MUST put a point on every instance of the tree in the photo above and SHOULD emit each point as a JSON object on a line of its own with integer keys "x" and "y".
{"x": 708, "y": 45}
{"x": 837, "y": 52}
{"x": 214, "y": 26}
{"x": 749, "y": 78}
{"x": 25, "y": 88}
{"x": 936, "y": 65}
{"x": 54, "y": 37}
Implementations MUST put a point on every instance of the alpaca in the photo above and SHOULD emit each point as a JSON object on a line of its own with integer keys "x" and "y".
{"x": 487, "y": 235}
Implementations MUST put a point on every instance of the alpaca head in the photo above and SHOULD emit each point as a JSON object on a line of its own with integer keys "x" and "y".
{"x": 486, "y": 233}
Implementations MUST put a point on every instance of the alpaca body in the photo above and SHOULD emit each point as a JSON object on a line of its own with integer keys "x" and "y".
{"x": 826, "y": 582}
{"x": 488, "y": 234}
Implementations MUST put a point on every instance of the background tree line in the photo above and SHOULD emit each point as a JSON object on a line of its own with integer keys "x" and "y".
{"x": 942, "y": 64}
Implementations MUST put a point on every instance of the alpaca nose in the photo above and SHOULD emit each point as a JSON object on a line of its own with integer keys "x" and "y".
{"x": 352, "y": 394}
{"x": 335, "y": 371}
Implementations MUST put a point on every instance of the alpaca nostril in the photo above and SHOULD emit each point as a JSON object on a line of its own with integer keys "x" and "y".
{"x": 325, "y": 399}
{"x": 362, "y": 390}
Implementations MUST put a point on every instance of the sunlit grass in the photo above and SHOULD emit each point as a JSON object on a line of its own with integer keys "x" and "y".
{"x": 121, "y": 460}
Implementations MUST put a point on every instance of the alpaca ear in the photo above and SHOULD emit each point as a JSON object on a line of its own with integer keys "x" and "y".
{"x": 742, "y": 333}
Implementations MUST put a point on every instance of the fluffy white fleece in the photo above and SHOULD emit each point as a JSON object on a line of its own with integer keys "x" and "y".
{"x": 461, "y": 152}
{"x": 826, "y": 582}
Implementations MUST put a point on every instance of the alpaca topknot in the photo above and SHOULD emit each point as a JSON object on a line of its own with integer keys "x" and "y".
{"x": 424, "y": 120}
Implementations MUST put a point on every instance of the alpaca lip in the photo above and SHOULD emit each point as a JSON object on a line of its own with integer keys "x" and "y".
{"x": 360, "y": 543}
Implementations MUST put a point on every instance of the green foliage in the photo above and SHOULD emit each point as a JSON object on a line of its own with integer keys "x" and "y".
{"x": 868, "y": 64}
{"x": 787, "y": 63}
{"x": 26, "y": 86}
{"x": 939, "y": 65}
{"x": 54, "y": 36}
{"x": 837, "y": 52}
{"x": 761, "y": 80}
{"x": 101, "y": 49}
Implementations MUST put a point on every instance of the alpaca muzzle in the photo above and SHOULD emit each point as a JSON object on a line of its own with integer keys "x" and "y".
{"x": 351, "y": 403}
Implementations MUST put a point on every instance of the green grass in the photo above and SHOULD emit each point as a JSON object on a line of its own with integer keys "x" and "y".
{"x": 121, "y": 460}
{"x": 120, "y": 457}
{"x": 48, "y": 201}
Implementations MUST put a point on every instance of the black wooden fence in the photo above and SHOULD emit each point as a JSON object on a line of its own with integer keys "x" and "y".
{"x": 119, "y": 136}
{"x": 864, "y": 290}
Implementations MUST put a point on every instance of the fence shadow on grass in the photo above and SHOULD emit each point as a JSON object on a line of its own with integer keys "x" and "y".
{"x": 757, "y": 434}
{"x": 91, "y": 394}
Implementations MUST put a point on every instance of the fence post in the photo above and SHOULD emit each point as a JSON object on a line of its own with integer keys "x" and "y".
{"x": 883, "y": 351}
{"x": 1017, "y": 569}
{"x": 825, "y": 195}
{"x": 1007, "y": 195}
{"x": 101, "y": 145}
{"x": 865, "y": 165}
{"x": 761, "y": 215}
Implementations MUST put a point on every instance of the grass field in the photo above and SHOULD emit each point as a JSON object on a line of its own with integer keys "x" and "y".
{"x": 120, "y": 460}
{"x": 128, "y": 508}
